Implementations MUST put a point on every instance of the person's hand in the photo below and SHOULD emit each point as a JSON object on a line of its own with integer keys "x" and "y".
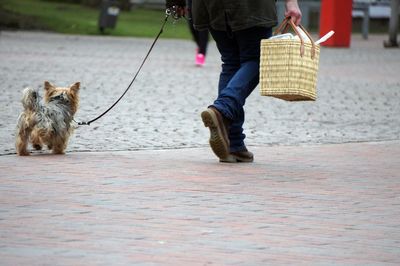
{"x": 293, "y": 11}
{"x": 176, "y": 6}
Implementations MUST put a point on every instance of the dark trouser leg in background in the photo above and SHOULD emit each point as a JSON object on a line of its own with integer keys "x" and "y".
{"x": 200, "y": 37}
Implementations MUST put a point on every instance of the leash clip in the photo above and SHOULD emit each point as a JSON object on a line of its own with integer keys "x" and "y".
{"x": 81, "y": 123}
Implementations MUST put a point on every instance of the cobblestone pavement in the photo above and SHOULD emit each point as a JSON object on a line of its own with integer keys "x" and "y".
{"x": 333, "y": 204}
{"x": 359, "y": 93}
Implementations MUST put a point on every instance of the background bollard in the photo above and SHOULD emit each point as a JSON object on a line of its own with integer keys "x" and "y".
{"x": 108, "y": 14}
{"x": 393, "y": 25}
{"x": 336, "y": 15}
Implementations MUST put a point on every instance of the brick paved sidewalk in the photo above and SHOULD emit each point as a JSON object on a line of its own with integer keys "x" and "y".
{"x": 327, "y": 204}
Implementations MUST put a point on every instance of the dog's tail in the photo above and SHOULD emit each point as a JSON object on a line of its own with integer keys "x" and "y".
{"x": 30, "y": 99}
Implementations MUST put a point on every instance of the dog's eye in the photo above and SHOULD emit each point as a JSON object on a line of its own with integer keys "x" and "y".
{"x": 57, "y": 97}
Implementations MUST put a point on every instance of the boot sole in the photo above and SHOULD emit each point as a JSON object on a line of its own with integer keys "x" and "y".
{"x": 235, "y": 159}
{"x": 218, "y": 144}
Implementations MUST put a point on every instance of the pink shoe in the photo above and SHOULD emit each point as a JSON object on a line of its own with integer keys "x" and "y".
{"x": 200, "y": 59}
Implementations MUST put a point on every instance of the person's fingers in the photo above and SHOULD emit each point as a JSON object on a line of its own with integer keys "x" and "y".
{"x": 184, "y": 11}
{"x": 297, "y": 21}
{"x": 293, "y": 11}
{"x": 294, "y": 16}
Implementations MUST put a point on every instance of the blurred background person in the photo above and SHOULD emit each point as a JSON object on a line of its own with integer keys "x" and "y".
{"x": 200, "y": 37}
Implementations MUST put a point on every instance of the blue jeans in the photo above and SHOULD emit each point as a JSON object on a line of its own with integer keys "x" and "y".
{"x": 240, "y": 55}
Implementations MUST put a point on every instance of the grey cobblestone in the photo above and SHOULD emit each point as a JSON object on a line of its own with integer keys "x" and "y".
{"x": 358, "y": 100}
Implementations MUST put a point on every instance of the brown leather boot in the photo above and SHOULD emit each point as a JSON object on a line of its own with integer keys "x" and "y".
{"x": 218, "y": 126}
{"x": 239, "y": 157}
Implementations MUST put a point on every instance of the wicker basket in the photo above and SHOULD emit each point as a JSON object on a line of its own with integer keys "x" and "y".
{"x": 289, "y": 67}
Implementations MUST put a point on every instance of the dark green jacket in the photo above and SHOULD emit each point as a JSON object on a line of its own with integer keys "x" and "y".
{"x": 233, "y": 14}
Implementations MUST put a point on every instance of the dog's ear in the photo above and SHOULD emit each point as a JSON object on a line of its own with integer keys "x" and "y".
{"x": 75, "y": 87}
{"x": 48, "y": 86}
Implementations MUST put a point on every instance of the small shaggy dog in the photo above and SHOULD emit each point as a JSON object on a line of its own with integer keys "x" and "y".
{"x": 48, "y": 123}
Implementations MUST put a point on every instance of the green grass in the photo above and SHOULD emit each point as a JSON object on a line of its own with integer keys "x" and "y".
{"x": 77, "y": 19}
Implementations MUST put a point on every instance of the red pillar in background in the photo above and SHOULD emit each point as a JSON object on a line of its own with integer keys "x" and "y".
{"x": 336, "y": 15}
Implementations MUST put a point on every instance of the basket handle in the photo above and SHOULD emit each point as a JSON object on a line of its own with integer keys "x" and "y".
{"x": 283, "y": 27}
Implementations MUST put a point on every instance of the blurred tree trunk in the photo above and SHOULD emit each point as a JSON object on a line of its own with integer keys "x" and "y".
{"x": 92, "y": 3}
{"x": 125, "y": 4}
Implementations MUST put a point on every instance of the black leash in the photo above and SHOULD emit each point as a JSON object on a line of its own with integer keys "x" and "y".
{"x": 168, "y": 13}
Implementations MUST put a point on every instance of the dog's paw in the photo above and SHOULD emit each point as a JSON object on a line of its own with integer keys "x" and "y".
{"x": 23, "y": 153}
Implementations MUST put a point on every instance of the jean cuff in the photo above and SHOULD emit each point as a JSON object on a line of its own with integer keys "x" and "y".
{"x": 222, "y": 112}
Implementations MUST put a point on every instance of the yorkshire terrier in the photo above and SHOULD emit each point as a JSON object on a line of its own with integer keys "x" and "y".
{"x": 48, "y": 123}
